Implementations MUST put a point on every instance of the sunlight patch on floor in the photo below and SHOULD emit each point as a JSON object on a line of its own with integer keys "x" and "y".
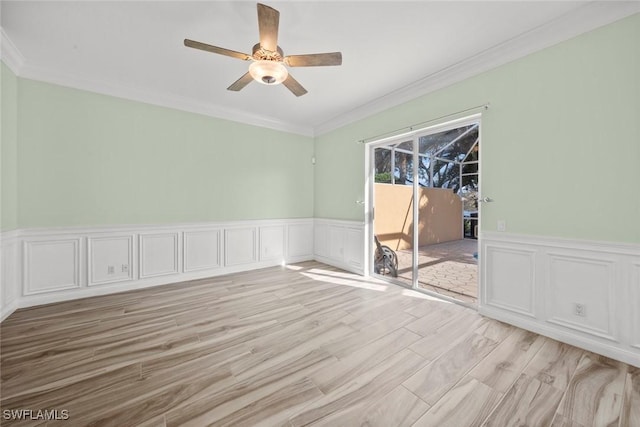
{"x": 343, "y": 279}
{"x": 415, "y": 294}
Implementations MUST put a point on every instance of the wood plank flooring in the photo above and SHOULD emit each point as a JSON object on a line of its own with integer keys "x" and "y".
{"x": 295, "y": 346}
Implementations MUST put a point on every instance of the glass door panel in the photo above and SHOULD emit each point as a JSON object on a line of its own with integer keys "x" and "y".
{"x": 447, "y": 212}
{"x": 393, "y": 212}
{"x": 425, "y": 209}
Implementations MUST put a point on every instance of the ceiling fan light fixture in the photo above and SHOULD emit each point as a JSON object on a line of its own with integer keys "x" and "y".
{"x": 269, "y": 63}
{"x": 268, "y": 72}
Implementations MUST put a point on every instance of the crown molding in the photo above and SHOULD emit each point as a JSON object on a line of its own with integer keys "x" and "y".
{"x": 159, "y": 98}
{"x": 9, "y": 53}
{"x": 572, "y": 24}
{"x": 586, "y": 18}
{"x": 11, "y": 56}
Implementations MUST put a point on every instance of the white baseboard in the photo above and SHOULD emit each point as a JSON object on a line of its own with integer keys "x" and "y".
{"x": 49, "y": 265}
{"x": 339, "y": 264}
{"x": 8, "y": 309}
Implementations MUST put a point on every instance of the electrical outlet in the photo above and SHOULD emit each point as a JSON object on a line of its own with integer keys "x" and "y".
{"x": 579, "y": 309}
{"x": 125, "y": 268}
{"x": 111, "y": 269}
{"x": 502, "y": 225}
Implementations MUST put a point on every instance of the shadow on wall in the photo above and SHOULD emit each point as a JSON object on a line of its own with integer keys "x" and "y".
{"x": 440, "y": 216}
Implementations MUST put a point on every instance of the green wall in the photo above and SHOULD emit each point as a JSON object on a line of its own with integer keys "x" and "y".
{"x": 560, "y": 143}
{"x": 561, "y": 151}
{"x": 8, "y": 149}
{"x": 88, "y": 159}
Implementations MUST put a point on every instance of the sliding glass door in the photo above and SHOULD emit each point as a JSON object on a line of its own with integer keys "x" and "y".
{"x": 424, "y": 202}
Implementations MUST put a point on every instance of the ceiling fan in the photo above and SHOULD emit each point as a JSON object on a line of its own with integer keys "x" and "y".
{"x": 268, "y": 66}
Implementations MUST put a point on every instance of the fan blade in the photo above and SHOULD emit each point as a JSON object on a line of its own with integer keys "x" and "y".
{"x": 293, "y": 85}
{"x": 241, "y": 82}
{"x": 314, "y": 60}
{"x": 268, "y": 20}
{"x": 215, "y": 49}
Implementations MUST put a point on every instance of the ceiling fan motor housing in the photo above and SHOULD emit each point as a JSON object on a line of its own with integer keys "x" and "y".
{"x": 262, "y": 54}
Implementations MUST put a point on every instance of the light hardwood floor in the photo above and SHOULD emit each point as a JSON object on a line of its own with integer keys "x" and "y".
{"x": 303, "y": 345}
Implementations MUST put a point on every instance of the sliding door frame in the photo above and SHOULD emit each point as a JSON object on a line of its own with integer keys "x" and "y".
{"x": 369, "y": 195}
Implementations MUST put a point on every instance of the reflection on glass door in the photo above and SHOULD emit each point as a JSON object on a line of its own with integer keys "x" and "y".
{"x": 393, "y": 211}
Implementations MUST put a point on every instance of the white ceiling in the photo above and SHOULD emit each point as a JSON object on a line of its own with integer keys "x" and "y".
{"x": 392, "y": 51}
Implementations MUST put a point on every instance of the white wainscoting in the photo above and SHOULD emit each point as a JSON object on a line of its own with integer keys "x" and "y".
{"x": 40, "y": 266}
{"x": 159, "y": 254}
{"x": 240, "y": 246}
{"x": 536, "y": 282}
{"x": 320, "y": 240}
{"x": 51, "y": 265}
{"x": 511, "y": 273}
{"x": 528, "y": 281}
{"x": 354, "y": 248}
{"x": 202, "y": 249}
{"x": 340, "y": 243}
{"x": 634, "y": 293}
{"x": 583, "y": 280}
{"x": 271, "y": 243}
{"x": 299, "y": 241}
{"x": 110, "y": 259}
{"x": 10, "y": 274}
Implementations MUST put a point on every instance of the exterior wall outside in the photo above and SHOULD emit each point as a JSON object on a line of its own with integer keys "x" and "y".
{"x": 440, "y": 216}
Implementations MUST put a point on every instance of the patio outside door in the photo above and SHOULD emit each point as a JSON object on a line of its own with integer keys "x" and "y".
{"x": 424, "y": 189}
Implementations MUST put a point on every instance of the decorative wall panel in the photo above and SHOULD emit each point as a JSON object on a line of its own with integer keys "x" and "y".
{"x": 158, "y": 254}
{"x": 110, "y": 259}
{"x": 585, "y": 293}
{"x": 51, "y": 265}
{"x": 340, "y": 243}
{"x": 202, "y": 250}
{"x": 354, "y": 247}
{"x": 582, "y": 281}
{"x": 510, "y": 278}
{"x": 272, "y": 243}
{"x": 300, "y": 241}
{"x": 240, "y": 246}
